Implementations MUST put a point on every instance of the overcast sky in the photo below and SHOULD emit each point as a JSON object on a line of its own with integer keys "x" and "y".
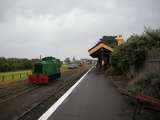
{"x": 64, "y": 28}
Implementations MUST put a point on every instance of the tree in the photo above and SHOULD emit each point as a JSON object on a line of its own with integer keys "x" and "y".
{"x": 14, "y": 64}
{"x": 133, "y": 52}
{"x": 67, "y": 60}
{"x": 109, "y": 40}
{"x": 74, "y": 59}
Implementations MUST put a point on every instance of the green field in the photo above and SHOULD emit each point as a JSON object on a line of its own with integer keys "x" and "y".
{"x": 64, "y": 68}
{"x": 7, "y": 77}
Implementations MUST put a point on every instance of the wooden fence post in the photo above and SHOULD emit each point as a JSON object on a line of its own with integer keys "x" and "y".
{"x": 2, "y": 78}
{"x": 12, "y": 76}
{"x": 20, "y": 75}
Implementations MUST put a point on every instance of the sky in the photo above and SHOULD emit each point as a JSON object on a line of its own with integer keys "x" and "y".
{"x": 66, "y": 28}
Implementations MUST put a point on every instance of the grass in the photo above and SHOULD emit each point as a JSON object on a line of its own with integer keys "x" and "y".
{"x": 7, "y": 77}
{"x": 64, "y": 68}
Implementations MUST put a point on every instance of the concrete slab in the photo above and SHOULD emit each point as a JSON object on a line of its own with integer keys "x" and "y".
{"x": 95, "y": 98}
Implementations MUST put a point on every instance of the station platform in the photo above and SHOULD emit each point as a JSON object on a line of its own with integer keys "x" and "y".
{"x": 95, "y": 98}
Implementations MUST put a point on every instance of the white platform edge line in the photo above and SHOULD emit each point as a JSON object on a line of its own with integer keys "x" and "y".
{"x": 53, "y": 108}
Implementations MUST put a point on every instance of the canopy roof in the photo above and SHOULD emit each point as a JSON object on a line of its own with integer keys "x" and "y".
{"x": 98, "y": 47}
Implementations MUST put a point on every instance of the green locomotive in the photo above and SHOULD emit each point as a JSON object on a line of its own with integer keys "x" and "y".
{"x": 45, "y": 71}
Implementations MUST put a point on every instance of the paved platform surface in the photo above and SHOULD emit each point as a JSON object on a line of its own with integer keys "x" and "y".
{"x": 95, "y": 98}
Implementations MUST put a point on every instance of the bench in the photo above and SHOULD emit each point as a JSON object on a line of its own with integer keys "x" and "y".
{"x": 142, "y": 101}
{"x": 148, "y": 101}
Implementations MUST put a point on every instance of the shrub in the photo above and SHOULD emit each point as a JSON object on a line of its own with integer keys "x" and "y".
{"x": 148, "y": 83}
{"x": 133, "y": 52}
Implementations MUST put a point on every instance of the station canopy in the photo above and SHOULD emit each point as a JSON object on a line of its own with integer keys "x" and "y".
{"x": 97, "y": 49}
{"x": 105, "y": 45}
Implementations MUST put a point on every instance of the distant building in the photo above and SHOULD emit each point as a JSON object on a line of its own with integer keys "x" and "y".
{"x": 87, "y": 61}
{"x": 119, "y": 39}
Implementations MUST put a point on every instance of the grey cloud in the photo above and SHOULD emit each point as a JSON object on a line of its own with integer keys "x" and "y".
{"x": 69, "y": 27}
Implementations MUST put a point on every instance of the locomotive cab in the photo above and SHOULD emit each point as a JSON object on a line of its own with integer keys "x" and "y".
{"x": 38, "y": 68}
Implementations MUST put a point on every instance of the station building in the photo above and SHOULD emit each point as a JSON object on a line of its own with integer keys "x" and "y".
{"x": 103, "y": 49}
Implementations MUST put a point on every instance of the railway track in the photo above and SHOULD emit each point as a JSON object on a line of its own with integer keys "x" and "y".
{"x": 54, "y": 96}
{"x": 37, "y": 105}
{"x": 16, "y": 93}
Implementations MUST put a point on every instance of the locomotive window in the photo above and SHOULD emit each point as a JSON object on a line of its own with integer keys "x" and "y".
{"x": 38, "y": 68}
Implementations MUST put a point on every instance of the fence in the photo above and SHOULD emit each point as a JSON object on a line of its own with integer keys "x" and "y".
{"x": 152, "y": 65}
{"x": 21, "y": 75}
